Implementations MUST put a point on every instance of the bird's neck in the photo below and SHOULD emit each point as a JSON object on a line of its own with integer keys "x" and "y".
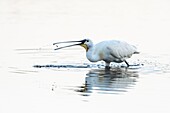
{"x": 91, "y": 55}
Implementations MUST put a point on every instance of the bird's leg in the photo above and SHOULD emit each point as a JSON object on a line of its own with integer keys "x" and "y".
{"x": 127, "y": 63}
{"x": 107, "y": 66}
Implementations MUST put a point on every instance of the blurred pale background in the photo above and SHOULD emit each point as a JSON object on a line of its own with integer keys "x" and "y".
{"x": 29, "y": 23}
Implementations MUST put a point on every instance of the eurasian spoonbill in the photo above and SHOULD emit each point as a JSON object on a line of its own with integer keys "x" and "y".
{"x": 108, "y": 51}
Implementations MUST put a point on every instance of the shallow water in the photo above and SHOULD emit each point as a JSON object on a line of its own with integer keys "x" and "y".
{"x": 34, "y": 78}
{"x": 43, "y": 80}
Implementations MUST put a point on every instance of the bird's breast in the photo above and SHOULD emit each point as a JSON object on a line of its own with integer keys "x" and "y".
{"x": 93, "y": 55}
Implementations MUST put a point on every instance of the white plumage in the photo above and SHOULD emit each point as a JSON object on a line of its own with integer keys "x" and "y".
{"x": 108, "y": 51}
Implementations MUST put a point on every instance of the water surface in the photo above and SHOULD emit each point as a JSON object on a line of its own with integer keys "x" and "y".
{"x": 43, "y": 78}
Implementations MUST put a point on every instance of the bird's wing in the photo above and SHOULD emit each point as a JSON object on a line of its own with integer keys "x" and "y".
{"x": 119, "y": 49}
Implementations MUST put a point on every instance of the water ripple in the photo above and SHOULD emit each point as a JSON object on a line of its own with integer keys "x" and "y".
{"x": 61, "y": 66}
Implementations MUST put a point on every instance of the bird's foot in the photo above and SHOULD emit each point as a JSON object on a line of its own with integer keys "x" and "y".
{"x": 107, "y": 67}
{"x": 132, "y": 66}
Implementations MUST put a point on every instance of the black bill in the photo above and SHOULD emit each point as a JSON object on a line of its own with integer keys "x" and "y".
{"x": 75, "y": 44}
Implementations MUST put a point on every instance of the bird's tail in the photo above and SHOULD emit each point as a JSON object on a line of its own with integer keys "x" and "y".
{"x": 136, "y": 52}
{"x": 135, "y": 49}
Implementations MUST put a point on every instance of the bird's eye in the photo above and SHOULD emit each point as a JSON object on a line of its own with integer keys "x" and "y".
{"x": 87, "y": 40}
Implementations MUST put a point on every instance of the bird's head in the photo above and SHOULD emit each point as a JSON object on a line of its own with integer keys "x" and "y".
{"x": 85, "y": 43}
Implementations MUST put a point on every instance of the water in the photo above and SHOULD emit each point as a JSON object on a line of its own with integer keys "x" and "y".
{"x": 37, "y": 82}
{"x": 34, "y": 78}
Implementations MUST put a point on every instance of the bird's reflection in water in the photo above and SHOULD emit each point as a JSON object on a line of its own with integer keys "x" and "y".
{"x": 114, "y": 81}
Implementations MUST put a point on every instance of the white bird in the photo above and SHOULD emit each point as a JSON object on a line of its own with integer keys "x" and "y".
{"x": 108, "y": 51}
